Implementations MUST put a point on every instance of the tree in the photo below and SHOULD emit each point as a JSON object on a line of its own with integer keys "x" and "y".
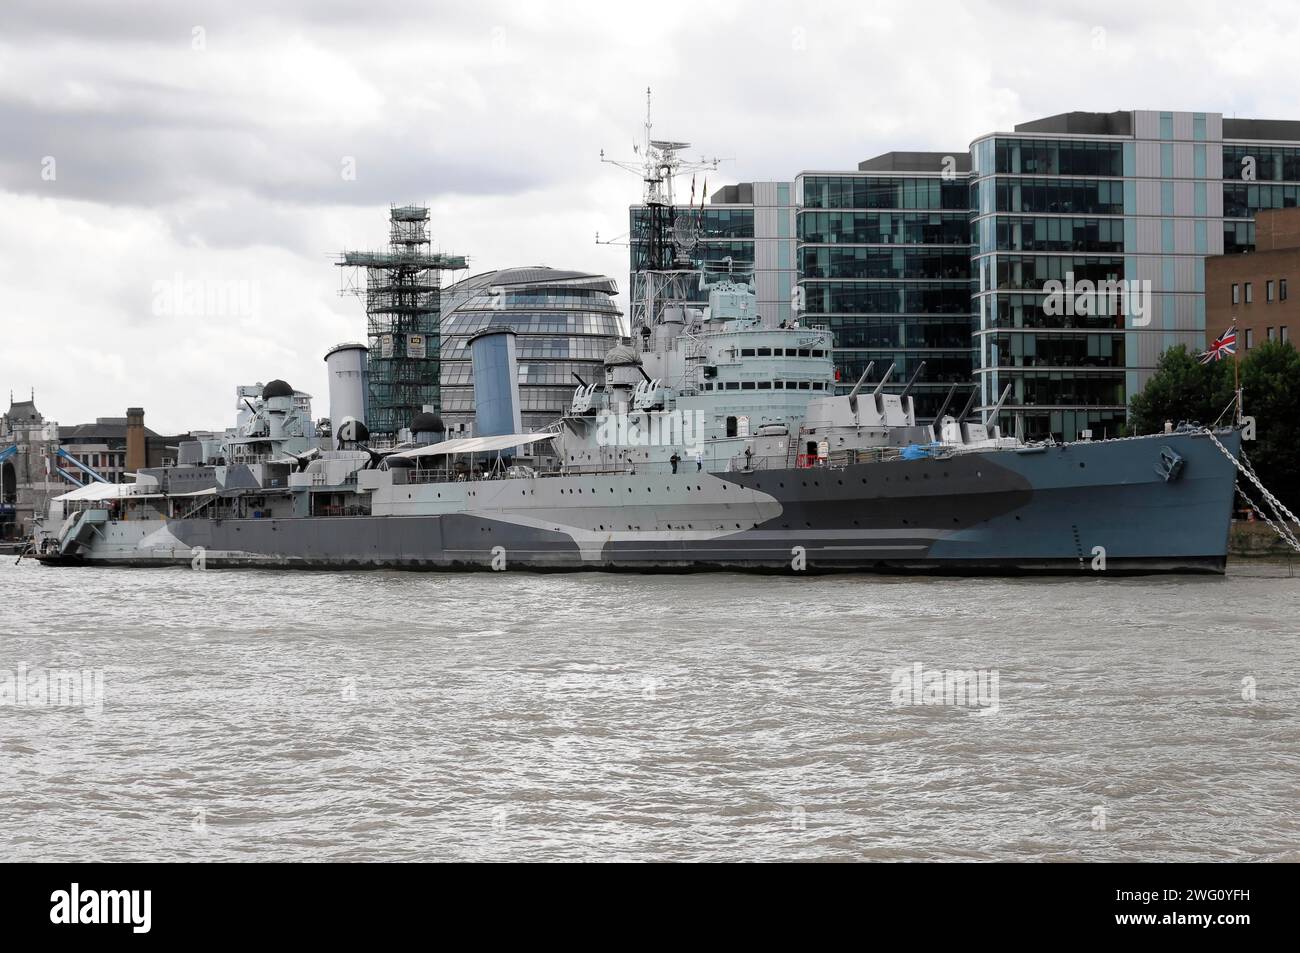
{"x": 1270, "y": 386}
{"x": 1182, "y": 388}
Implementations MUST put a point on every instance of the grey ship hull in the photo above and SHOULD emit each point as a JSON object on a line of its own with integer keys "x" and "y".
{"x": 1072, "y": 509}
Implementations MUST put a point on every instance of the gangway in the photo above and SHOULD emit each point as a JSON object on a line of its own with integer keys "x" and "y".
{"x": 78, "y": 533}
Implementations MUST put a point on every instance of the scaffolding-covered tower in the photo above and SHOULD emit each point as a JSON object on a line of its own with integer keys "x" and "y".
{"x": 402, "y": 288}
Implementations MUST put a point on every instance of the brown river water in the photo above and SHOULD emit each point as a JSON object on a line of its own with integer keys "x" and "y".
{"x": 262, "y": 715}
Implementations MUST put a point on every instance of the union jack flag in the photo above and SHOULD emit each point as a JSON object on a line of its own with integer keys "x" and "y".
{"x": 1221, "y": 348}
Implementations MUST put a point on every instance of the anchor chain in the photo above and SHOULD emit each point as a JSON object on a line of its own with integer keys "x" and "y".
{"x": 1279, "y": 508}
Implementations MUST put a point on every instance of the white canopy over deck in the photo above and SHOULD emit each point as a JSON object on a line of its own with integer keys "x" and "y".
{"x": 95, "y": 492}
{"x": 460, "y": 445}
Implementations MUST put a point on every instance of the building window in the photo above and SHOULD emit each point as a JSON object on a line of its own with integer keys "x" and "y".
{"x": 1250, "y": 296}
{"x": 1270, "y": 334}
{"x": 1250, "y": 338}
{"x": 1281, "y": 289}
{"x": 1236, "y": 293}
{"x": 1268, "y": 292}
{"x": 1285, "y": 336}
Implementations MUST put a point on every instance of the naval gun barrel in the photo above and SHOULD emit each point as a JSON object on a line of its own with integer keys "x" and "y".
{"x": 912, "y": 380}
{"x": 946, "y": 401}
{"x": 853, "y": 394}
{"x": 883, "y": 381}
{"x": 969, "y": 404}
{"x": 993, "y": 414}
{"x": 578, "y": 378}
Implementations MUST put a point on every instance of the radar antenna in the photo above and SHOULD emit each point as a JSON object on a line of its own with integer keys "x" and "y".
{"x": 665, "y": 238}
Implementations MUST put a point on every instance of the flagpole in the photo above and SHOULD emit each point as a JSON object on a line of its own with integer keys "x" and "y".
{"x": 1236, "y": 372}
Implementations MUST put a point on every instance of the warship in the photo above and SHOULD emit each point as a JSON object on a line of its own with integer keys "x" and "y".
{"x": 717, "y": 441}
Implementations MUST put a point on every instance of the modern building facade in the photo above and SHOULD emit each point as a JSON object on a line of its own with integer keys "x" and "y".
{"x": 884, "y": 261}
{"x": 1141, "y": 197}
{"x": 564, "y": 322}
{"x": 1254, "y": 289}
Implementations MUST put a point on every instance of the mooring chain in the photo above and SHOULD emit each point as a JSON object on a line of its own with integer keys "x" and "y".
{"x": 1281, "y": 531}
{"x": 1279, "y": 508}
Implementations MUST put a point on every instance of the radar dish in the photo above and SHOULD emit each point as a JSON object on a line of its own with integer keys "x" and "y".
{"x": 686, "y": 235}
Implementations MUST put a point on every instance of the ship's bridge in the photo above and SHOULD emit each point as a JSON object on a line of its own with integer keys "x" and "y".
{"x": 767, "y": 359}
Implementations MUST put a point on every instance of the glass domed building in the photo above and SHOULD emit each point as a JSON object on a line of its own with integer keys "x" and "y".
{"x": 564, "y": 323}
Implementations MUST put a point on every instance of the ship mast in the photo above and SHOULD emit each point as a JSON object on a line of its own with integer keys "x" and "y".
{"x": 666, "y": 235}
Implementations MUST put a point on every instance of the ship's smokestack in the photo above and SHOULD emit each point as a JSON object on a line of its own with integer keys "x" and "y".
{"x": 349, "y": 381}
{"x": 496, "y": 383}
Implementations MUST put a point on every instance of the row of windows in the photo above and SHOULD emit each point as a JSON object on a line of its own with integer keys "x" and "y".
{"x": 1054, "y": 350}
{"x": 1050, "y": 196}
{"x": 1052, "y": 234}
{"x": 884, "y": 297}
{"x": 101, "y": 461}
{"x": 883, "y": 332}
{"x": 1271, "y": 289}
{"x": 706, "y": 252}
{"x": 545, "y": 372}
{"x": 501, "y": 299}
{"x": 712, "y": 222}
{"x": 468, "y": 322}
{"x": 885, "y": 228}
{"x": 764, "y": 385}
{"x": 1065, "y": 424}
{"x": 781, "y": 352}
{"x": 1031, "y": 271}
{"x": 592, "y": 348}
{"x": 854, "y": 262}
{"x": 846, "y": 191}
{"x": 1242, "y": 201}
{"x": 552, "y": 401}
{"x": 1274, "y": 334}
{"x": 940, "y": 369}
{"x": 1053, "y": 157}
{"x": 1066, "y": 388}
{"x": 1026, "y": 311}
{"x": 1238, "y": 237}
{"x": 1271, "y": 163}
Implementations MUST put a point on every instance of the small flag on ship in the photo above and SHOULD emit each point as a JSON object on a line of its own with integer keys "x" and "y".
{"x": 1225, "y": 345}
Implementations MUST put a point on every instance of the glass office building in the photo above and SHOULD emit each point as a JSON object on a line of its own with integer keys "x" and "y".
{"x": 565, "y": 322}
{"x": 884, "y": 261}
{"x": 1140, "y": 197}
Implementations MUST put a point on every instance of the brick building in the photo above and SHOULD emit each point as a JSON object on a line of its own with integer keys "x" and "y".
{"x": 1258, "y": 289}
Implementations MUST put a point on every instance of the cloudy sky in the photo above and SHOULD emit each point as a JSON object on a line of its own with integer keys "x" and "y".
{"x": 239, "y": 146}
